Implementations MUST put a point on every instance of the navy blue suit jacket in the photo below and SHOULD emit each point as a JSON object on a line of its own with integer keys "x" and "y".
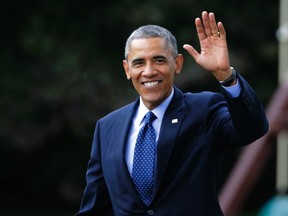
{"x": 189, "y": 153}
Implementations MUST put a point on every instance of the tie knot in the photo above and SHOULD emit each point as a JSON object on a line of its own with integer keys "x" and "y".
{"x": 149, "y": 117}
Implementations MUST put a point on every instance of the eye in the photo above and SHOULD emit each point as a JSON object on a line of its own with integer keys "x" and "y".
{"x": 137, "y": 63}
{"x": 160, "y": 60}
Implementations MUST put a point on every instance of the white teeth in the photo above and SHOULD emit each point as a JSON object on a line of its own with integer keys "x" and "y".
{"x": 151, "y": 83}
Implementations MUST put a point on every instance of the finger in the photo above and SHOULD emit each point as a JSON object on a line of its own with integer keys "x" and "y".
{"x": 206, "y": 23}
{"x": 213, "y": 25}
{"x": 190, "y": 49}
{"x": 200, "y": 29}
{"x": 222, "y": 30}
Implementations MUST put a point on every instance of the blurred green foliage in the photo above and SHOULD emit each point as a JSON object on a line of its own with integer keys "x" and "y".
{"x": 61, "y": 70}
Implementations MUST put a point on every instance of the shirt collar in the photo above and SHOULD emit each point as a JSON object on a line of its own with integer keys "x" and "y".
{"x": 158, "y": 111}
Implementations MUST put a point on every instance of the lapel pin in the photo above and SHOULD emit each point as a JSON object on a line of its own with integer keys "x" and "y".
{"x": 174, "y": 121}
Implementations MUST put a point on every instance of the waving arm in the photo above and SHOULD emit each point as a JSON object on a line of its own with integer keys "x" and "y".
{"x": 213, "y": 55}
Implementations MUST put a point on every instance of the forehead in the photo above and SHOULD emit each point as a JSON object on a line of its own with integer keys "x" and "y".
{"x": 149, "y": 46}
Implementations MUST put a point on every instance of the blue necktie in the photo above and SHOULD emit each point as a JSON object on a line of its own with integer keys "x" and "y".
{"x": 144, "y": 159}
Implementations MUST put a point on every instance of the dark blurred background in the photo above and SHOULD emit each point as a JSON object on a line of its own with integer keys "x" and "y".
{"x": 61, "y": 70}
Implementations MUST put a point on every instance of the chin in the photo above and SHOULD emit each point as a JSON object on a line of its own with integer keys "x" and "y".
{"x": 153, "y": 102}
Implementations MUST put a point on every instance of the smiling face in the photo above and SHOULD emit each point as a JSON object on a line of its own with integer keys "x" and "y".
{"x": 151, "y": 66}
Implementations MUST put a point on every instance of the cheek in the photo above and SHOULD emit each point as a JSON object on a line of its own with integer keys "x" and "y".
{"x": 170, "y": 78}
{"x": 135, "y": 83}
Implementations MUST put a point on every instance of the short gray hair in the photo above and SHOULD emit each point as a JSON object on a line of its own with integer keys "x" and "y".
{"x": 152, "y": 31}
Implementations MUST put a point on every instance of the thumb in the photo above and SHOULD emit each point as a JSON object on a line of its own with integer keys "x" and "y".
{"x": 191, "y": 51}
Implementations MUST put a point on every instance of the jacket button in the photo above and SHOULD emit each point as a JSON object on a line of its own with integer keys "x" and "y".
{"x": 150, "y": 212}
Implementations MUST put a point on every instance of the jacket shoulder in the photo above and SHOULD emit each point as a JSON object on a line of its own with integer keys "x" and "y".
{"x": 202, "y": 98}
{"x": 122, "y": 112}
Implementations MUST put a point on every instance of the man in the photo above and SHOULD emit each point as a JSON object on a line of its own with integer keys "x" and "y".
{"x": 175, "y": 173}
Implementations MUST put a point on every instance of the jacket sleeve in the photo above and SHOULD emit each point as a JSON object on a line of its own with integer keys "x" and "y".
{"x": 96, "y": 199}
{"x": 248, "y": 107}
{"x": 236, "y": 121}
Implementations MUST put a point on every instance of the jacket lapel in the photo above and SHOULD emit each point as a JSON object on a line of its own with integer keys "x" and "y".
{"x": 171, "y": 122}
{"x": 124, "y": 125}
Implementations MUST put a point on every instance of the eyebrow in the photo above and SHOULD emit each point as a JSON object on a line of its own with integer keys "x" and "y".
{"x": 159, "y": 57}
{"x": 137, "y": 60}
{"x": 154, "y": 57}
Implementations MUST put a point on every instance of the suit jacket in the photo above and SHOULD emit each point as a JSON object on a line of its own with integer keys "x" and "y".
{"x": 189, "y": 153}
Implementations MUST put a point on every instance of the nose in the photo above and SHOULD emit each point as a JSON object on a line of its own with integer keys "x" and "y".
{"x": 149, "y": 70}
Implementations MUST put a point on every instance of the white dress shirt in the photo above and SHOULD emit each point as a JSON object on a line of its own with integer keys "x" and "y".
{"x": 159, "y": 112}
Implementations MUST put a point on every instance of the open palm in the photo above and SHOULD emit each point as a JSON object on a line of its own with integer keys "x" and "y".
{"x": 214, "y": 52}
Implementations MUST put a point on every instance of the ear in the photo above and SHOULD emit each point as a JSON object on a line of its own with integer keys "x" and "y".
{"x": 126, "y": 68}
{"x": 179, "y": 63}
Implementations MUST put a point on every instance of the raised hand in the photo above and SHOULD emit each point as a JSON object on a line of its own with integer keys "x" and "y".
{"x": 214, "y": 52}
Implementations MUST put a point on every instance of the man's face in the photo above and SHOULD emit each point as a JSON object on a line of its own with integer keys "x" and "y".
{"x": 151, "y": 66}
